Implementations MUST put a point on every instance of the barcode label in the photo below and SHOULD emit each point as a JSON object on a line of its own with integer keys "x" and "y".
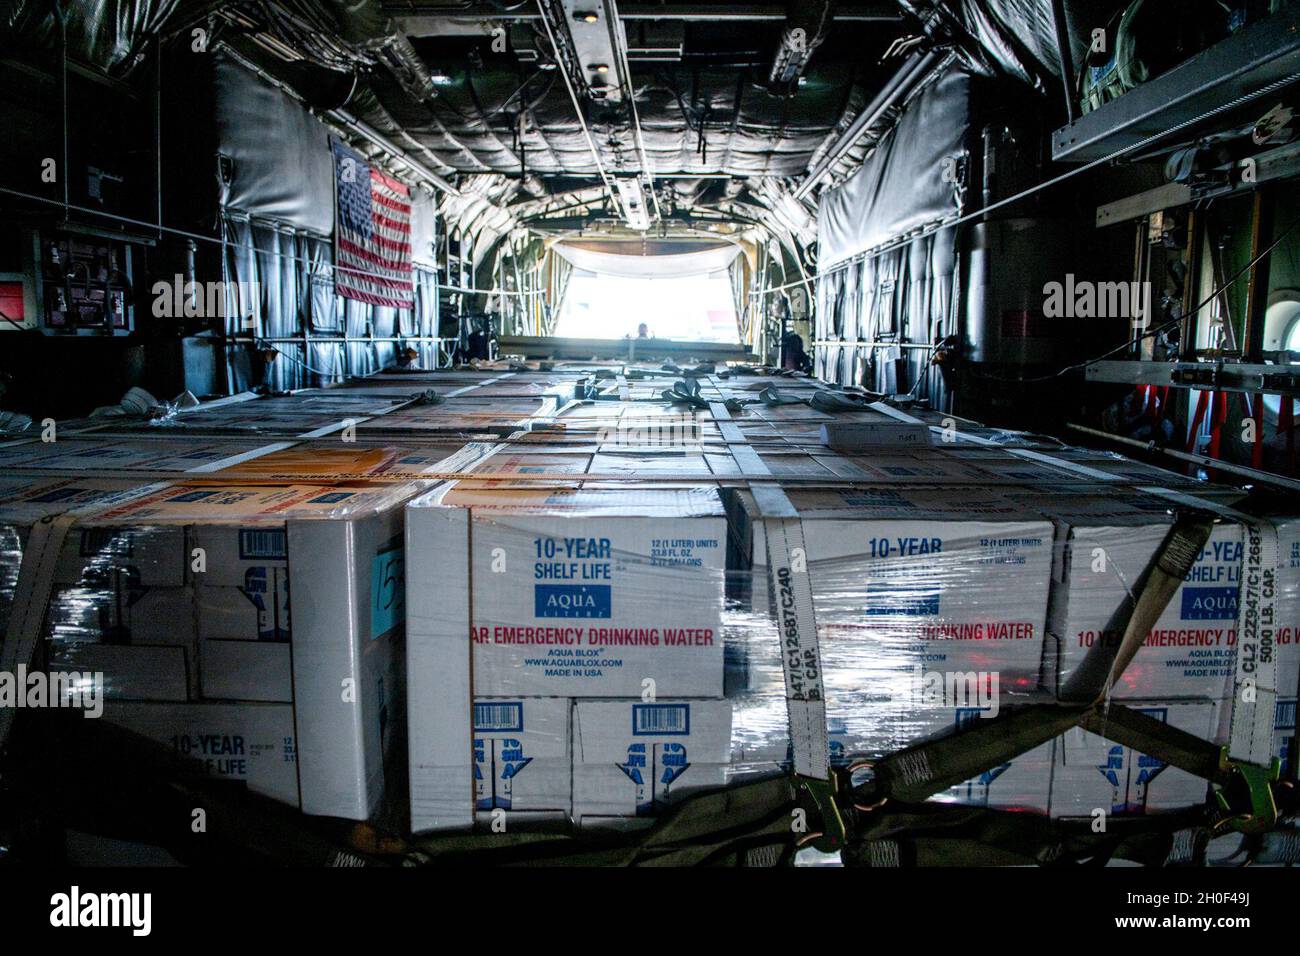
{"x": 263, "y": 543}
{"x": 661, "y": 719}
{"x": 1285, "y": 716}
{"x": 499, "y": 716}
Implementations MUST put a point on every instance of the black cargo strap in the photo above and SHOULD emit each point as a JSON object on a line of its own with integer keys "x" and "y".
{"x": 1157, "y": 739}
{"x": 685, "y": 392}
{"x": 748, "y": 825}
{"x": 772, "y": 396}
{"x": 426, "y": 397}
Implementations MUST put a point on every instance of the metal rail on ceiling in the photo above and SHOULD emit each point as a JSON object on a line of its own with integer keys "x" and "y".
{"x": 409, "y": 15}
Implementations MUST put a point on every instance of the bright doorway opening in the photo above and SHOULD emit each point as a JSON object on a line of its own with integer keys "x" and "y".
{"x": 696, "y": 308}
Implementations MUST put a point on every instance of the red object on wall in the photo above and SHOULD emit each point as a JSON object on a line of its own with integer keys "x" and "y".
{"x": 11, "y": 300}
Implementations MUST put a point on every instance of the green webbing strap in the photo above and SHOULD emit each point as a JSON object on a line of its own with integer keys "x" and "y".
{"x": 686, "y": 392}
{"x": 734, "y": 827}
{"x": 1155, "y": 738}
{"x": 918, "y": 772}
{"x": 773, "y": 396}
{"x": 944, "y": 835}
{"x": 1244, "y": 794}
{"x": 840, "y": 401}
{"x": 1139, "y": 611}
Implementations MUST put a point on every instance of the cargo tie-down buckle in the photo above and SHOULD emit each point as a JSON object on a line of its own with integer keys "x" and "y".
{"x": 832, "y": 837}
{"x": 1246, "y": 794}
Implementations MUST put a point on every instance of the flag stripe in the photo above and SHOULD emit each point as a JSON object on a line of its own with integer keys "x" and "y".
{"x": 361, "y": 275}
{"x": 361, "y": 254}
{"x": 393, "y": 204}
{"x": 372, "y": 238}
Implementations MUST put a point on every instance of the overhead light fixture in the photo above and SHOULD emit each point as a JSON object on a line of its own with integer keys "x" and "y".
{"x": 601, "y": 68}
{"x": 632, "y": 198}
{"x": 586, "y": 16}
{"x": 441, "y": 79}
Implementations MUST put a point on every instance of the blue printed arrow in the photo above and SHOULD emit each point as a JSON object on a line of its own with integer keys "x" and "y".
{"x": 512, "y": 769}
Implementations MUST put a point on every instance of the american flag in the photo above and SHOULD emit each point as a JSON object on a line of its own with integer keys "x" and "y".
{"x": 372, "y": 235}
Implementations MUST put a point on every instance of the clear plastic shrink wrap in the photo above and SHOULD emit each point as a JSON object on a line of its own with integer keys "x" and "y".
{"x": 596, "y": 663}
{"x": 175, "y": 598}
{"x": 588, "y": 628}
{"x": 412, "y": 412}
{"x": 936, "y": 605}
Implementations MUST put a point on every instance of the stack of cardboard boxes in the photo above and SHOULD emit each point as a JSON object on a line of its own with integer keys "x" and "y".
{"x": 565, "y": 648}
{"x": 175, "y": 587}
{"x": 1184, "y": 673}
{"x": 558, "y": 578}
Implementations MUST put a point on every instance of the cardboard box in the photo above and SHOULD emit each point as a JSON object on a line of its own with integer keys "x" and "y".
{"x": 244, "y": 416}
{"x": 634, "y": 759}
{"x": 572, "y": 586}
{"x": 27, "y": 498}
{"x": 522, "y": 757}
{"x": 1092, "y": 773}
{"x": 1022, "y": 783}
{"x": 1284, "y": 737}
{"x": 557, "y": 591}
{"x": 1288, "y": 607}
{"x": 258, "y": 611}
{"x": 252, "y": 743}
{"x": 344, "y": 544}
{"x": 131, "y": 672}
{"x": 87, "y": 454}
{"x": 885, "y": 466}
{"x": 142, "y": 557}
{"x": 1103, "y": 544}
{"x": 190, "y": 646}
{"x": 954, "y": 579}
{"x": 246, "y": 670}
{"x": 114, "y": 610}
{"x": 461, "y": 415}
